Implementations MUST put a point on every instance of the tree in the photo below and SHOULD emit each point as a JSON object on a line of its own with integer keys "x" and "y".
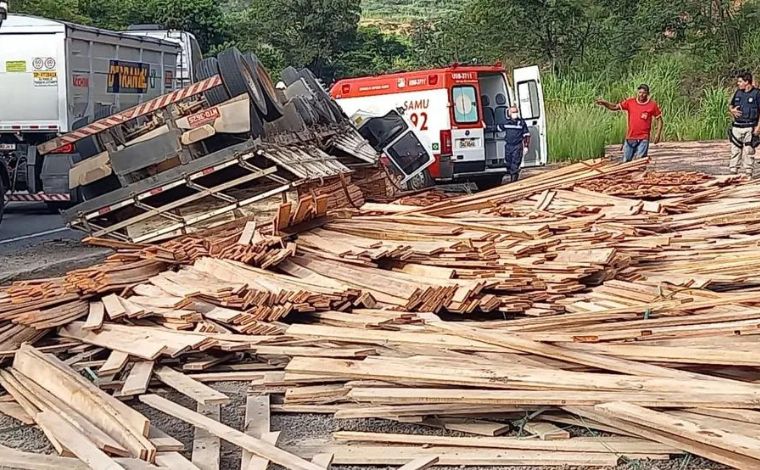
{"x": 305, "y": 33}
{"x": 66, "y": 10}
{"x": 372, "y": 52}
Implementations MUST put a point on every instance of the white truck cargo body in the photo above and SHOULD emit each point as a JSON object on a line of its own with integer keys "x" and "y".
{"x": 56, "y": 77}
{"x": 53, "y": 73}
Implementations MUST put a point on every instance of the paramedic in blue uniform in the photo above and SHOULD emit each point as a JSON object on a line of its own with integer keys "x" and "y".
{"x": 517, "y": 137}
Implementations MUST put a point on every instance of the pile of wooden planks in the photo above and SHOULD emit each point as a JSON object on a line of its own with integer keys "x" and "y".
{"x": 579, "y": 308}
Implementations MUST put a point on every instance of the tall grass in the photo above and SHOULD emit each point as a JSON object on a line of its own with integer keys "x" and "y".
{"x": 578, "y": 129}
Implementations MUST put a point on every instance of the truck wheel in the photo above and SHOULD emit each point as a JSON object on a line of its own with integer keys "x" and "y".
{"x": 269, "y": 92}
{"x": 207, "y": 68}
{"x": 305, "y": 110}
{"x": 238, "y": 78}
{"x": 290, "y": 75}
{"x": 257, "y": 125}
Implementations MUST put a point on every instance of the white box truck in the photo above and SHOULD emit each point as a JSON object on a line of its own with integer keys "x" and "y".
{"x": 57, "y": 76}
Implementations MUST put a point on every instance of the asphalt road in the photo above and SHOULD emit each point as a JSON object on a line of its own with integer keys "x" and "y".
{"x": 27, "y": 224}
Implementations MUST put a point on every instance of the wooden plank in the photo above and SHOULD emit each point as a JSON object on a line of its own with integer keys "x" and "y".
{"x": 174, "y": 461}
{"x": 163, "y": 441}
{"x": 260, "y": 463}
{"x": 619, "y": 445}
{"x": 185, "y": 385}
{"x": 469, "y": 425}
{"x": 76, "y": 442}
{"x": 721, "y": 438}
{"x": 546, "y": 431}
{"x": 138, "y": 378}
{"x": 114, "y": 364}
{"x": 421, "y": 463}
{"x": 95, "y": 316}
{"x": 113, "y": 307}
{"x": 253, "y": 445}
{"x": 206, "y": 447}
{"x": 247, "y": 234}
{"x": 323, "y": 460}
{"x": 125, "y": 425}
{"x": 641, "y": 429}
{"x": 12, "y": 458}
{"x": 256, "y": 424}
{"x": 17, "y": 412}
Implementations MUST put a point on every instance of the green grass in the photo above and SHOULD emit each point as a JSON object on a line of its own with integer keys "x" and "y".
{"x": 579, "y": 130}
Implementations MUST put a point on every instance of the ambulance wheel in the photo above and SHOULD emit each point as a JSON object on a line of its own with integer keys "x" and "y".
{"x": 207, "y": 68}
{"x": 239, "y": 79}
{"x": 269, "y": 92}
{"x": 290, "y": 75}
{"x": 488, "y": 181}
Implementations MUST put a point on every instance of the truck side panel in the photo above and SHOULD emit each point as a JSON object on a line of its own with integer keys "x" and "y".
{"x": 94, "y": 62}
{"x": 32, "y": 78}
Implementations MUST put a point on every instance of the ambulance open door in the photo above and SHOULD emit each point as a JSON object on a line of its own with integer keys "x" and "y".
{"x": 530, "y": 99}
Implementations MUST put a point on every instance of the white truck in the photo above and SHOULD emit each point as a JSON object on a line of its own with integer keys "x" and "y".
{"x": 56, "y": 77}
{"x": 191, "y": 54}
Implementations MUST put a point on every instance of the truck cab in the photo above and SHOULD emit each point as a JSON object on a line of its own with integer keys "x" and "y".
{"x": 459, "y": 109}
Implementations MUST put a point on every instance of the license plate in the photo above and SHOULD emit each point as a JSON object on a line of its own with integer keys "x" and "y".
{"x": 7, "y": 146}
{"x": 467, "y": 143}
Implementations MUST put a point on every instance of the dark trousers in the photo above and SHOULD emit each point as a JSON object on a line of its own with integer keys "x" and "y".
{"x": 513, "y": 160}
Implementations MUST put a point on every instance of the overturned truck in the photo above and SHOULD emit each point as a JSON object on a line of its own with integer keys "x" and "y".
{"x": 205, "y": 154}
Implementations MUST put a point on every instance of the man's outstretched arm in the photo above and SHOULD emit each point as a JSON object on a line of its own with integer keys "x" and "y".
{"x": 607, "y": 104}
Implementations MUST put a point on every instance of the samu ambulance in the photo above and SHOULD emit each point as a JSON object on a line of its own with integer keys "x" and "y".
{"x": 458, "y": 109}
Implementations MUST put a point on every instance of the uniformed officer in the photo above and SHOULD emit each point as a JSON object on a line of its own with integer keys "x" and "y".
{"x": 745, "y": 109}
{"x": 517, "y": 137}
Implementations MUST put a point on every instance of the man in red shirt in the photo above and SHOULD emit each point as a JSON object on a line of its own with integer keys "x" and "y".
{"x": 641, "y": 111}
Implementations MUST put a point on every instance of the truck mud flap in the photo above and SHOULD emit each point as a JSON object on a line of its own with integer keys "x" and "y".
{"x": 55, "y": 173}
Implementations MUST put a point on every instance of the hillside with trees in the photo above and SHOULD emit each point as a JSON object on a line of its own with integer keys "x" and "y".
{"x": 687, "y": 50}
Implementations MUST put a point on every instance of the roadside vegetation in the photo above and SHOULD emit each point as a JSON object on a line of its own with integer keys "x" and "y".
{"x": 687, "y": 50}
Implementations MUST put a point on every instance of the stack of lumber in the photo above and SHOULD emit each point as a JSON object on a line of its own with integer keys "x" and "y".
{"x": 340, "y": 191}
{"x": 377, "y": 184}
{"x": 577, "y": 311}
{"x": 650, "y": 184}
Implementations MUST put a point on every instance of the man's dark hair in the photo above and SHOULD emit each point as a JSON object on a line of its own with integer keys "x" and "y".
{"x": 644, "y": 87}
{"x": 746, "y": 76}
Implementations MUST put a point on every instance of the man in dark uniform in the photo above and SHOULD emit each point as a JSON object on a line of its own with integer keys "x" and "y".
{"x": 517, "y": 137}
{"x": 745, "y": 109}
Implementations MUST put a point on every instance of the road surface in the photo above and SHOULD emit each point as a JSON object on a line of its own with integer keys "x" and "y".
{"x": 33, "y": 239}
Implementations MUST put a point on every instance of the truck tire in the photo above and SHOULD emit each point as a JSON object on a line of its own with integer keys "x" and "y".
{"x": 274, "y": 107}
{"x": 305, "y": 110}
{"x": 257, "y": 125}
{"x": 239, "y": 79}
{"x": 290, "y": 75}
{"x": 207, "y": 68}
{"x": 319, "y": 92}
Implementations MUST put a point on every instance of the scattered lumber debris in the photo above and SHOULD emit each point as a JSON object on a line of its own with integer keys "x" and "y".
{"x": 597, "y": 296}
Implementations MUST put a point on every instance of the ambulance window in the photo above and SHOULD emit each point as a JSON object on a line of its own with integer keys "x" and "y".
{"x": 465, "y": 104}
{"x": 527, "y": 93}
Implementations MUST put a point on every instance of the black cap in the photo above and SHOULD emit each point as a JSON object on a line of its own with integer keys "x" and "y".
{"x": 644, "y": 87}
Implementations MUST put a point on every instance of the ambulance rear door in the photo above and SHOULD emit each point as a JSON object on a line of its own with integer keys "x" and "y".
{"x": 467, "y": 138}
{"x": 530, "y": 99}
